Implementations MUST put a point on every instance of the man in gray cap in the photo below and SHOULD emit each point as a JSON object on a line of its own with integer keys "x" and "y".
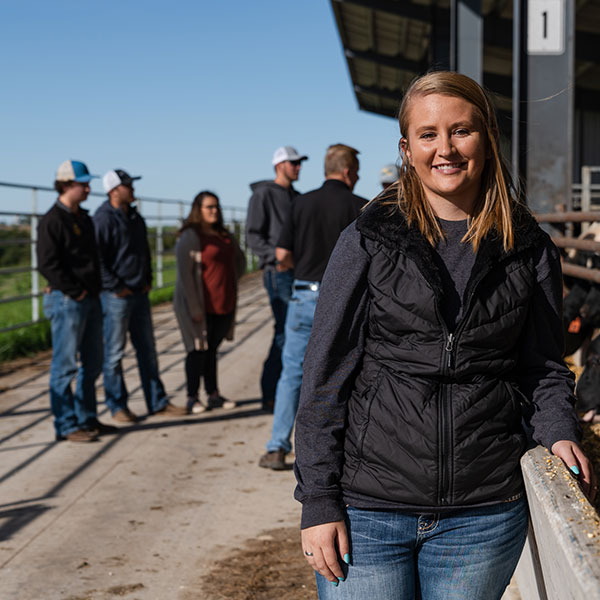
{"x": 126, "y": 269}
{"x": 268, "y": 209}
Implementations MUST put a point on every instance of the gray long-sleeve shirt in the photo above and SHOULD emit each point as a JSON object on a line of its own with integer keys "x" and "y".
{"x": 268, "y": 209}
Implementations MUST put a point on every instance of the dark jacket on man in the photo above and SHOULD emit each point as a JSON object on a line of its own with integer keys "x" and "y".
{"x": 67, "y": 253}
{"x": 122, "y": 239}
{"x": 430, "y": 420}
{"x": 269, "y": 207}
{"x": 314, "y": 225}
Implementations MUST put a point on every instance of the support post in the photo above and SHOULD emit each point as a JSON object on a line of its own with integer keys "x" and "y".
{"x": 35, "y": 276}
{"x": 159, "y": 248}
{"x": 519, "y": 96}
{"x": 550, "y": 100}
{"x": 586, "y": 189}
{"x": 466, "y": 38}
{"x": 181, "y": 217}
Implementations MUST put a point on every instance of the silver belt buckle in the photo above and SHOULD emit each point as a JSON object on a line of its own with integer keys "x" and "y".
{"x": 313, "y": 287}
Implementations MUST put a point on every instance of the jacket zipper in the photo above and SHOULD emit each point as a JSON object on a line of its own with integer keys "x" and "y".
{"x": 444, "y": 414}
{"x": 445, "y": 409}
{"x": 448, "y": 348}
{"x": 445, "y": 424}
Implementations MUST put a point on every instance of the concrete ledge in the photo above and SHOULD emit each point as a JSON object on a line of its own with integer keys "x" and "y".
{"x": 561, "y": 559}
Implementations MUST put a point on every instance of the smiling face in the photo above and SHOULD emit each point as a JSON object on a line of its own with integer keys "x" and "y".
{"x": 446, "y": 145}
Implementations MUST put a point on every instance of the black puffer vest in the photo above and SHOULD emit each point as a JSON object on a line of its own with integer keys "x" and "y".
{"x": 434, "y": 418}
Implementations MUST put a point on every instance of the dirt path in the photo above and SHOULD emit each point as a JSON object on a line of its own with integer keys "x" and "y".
{"x": 167, "y": 510}
{"x": 151, "y": 512}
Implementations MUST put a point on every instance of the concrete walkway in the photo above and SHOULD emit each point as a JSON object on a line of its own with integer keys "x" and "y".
{"x": 142, "y": 514}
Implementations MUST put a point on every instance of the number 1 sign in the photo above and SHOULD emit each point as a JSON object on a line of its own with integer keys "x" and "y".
{"x": 545, "y": 26}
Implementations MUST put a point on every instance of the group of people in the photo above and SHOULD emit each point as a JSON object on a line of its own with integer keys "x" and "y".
{"x": 99, "y": 273}
{"x": 416, "y": 338}
{"x": 436, "y": 343}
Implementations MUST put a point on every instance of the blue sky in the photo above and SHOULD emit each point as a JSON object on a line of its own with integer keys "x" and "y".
{"x": 190, "y": 95}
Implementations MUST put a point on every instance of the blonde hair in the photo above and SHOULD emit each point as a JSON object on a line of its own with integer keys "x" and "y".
{"x": 494, "y": 208}
{"x": 339, "y": 157}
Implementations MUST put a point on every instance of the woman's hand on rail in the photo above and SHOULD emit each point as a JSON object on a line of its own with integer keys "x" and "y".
{"x": 572, "y": 455}
{"x": 322, "y": 544}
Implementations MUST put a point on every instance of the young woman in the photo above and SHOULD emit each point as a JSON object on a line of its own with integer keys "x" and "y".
{"x": 438, "y": 324}
{"x": 209, "y": 264}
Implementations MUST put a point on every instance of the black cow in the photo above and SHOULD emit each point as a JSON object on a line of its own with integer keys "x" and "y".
{"x": 581, "y": 314}
{"x": 588, "y": 386}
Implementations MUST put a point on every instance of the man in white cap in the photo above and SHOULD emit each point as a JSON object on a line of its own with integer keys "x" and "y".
{"x": 269, "y": 207}
{"x": 68, "y": 259}
{"x": 307, "y": 240}
{"x": 126, "y": 267}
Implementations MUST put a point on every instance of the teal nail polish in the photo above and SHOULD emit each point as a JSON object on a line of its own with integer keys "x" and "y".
{"x": 575, "y": 470}
{"x": 336, "y": 583}
{"x": 342, "y": 578}
{"x": 347, "y": 558}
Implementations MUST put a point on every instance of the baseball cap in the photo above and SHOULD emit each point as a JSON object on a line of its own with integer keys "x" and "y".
{"x": 286, "y": 153}
{"x": 388, "y": 174}
{"x": 73, "y": 170}
{"x": 117, "y": 177}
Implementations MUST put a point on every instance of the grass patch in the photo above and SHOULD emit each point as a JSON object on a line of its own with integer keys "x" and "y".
{"x": 28, "y": 340}
{"x": 33, "y": 338}
{"x": 25, "y": 341}
{"x": 36, "y": 337}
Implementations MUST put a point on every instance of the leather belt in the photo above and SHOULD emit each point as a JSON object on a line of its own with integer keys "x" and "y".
{"x": 313, "y": 287}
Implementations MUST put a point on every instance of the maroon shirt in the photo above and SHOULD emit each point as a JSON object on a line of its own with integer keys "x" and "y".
{"x": 218, "y": 274}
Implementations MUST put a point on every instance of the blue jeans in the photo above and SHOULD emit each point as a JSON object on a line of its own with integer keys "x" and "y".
{"x": 298, "y": 325}
{"x": 130, "y": 314}
{"x": 279, "y": 288}
{"x": 76, "y": 330}
{"x": 467, "y": 555}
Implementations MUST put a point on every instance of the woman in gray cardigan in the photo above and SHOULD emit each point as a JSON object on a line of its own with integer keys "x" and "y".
{"x": 209, "y": 264}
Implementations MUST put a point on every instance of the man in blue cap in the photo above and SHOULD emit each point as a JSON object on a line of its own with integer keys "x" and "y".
{"x": 68, "y": 259}
{"x": 126, "y": 268}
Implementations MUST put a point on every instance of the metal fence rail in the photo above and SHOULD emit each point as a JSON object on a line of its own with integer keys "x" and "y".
{"x": 585, "y": 196}
{"x": 566, "y": 219}
{"x": 165, "y": 224}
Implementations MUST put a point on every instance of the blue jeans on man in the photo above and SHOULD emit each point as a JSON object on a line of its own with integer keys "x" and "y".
{"x": 131, "y": 314}
{"x": 298, "y": 325}
{"x": 76, "y": 328}
{"x": 279, "y": 287}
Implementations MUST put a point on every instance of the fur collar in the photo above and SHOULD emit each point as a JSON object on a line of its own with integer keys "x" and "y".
{"x": 386, "y": 224}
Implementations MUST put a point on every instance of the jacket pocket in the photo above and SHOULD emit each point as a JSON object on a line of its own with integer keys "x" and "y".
{"x": 48, "y": 305}
{"x": 520, "y": 408}
{"x": 367, "y": 399}
{"x": 518, "y": 398}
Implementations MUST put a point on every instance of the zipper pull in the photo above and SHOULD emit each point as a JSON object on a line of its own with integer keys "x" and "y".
{"x": 448, "y": 348}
